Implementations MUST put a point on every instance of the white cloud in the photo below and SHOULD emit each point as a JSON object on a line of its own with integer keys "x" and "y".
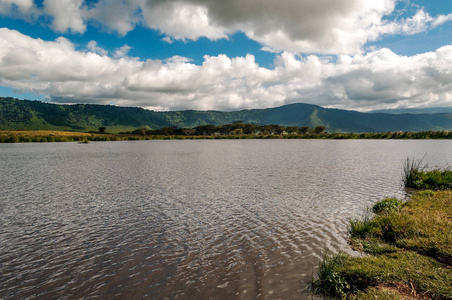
{"x": 181, "y": 20}
{"x": 122, "y": 52}
{"x": 24, "y": 6}
{"x": 441, "y": 20}
{"x": 308, "y": 26}
{"x": 375, "y": 80}
{"x": 120, "y": 16}
{"x": 67, "y": 15}
{"x": 167, "y": 39}
{"x": 92, "y": 47}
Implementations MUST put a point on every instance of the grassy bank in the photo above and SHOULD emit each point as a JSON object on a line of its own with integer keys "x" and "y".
{"x": 42, "y": 136}
{"x": 407, "y": 251}
{"x": 27, "y": 136}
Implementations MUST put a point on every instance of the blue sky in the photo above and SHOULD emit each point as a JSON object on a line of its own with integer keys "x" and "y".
{"x": 228, "y": 55}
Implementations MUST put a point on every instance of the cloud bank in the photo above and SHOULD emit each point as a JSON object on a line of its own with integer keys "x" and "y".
{"x": 379, "y": 79}
{"x": 308, "y": 26}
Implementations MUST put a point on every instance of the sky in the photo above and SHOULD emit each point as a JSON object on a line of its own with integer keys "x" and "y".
{"x": 228, "y": 55}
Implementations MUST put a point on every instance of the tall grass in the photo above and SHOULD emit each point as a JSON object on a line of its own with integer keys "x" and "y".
{"x": 330, "y": 282}
{"x": 415, "y": 175}
{"x": 411, "y": 169}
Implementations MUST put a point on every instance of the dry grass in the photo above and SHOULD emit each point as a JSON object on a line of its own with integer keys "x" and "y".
{"x": 33, "y": 133}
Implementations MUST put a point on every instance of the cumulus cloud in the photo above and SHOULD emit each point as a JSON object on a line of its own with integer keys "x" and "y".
{"x": 182, "y": 20}
{"x": 308, "y": 26}
{"x": 364, "y": 82}
{"x": 120, "y": 16}
{"x": 122, "y": 52}
{"x": 67, "y": 15}
{"x": 23, "y": 6}
{"x": 19, "y": 9}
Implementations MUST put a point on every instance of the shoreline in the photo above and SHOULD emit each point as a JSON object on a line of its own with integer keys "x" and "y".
{"x": 407, "y": 252}
{"x": 39, "y": 136}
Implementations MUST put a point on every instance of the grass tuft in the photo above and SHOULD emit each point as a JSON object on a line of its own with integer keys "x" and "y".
{"x": 330, "y": 282}
{"x": 416, "y": 176}
{"x": 387, "y": 205}
{"x": 362, "y": 227}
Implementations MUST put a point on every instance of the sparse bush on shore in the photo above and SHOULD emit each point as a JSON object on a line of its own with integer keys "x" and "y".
{"x": 416, "y": 175}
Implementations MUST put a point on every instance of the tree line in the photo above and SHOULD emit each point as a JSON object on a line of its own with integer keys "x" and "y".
{"x": 235, "y": 128}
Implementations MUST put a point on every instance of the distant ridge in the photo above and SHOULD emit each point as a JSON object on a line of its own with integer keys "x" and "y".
{"x": 432, "y": 110}
{"x": 35, "y": 115}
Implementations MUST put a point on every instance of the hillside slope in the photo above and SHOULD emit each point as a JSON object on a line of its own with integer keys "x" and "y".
{"x": 25, "y": 114}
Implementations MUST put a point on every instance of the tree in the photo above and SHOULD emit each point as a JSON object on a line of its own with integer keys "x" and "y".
{"x": 291, "y": 129}
{"x": 238, "y": 131}
{"x": 319, "y": 129}
{"x": 206, "y": 129}
{"x": 251, "y": 128}
{"x": 303, "y": 130}
{"x": 102, "y": 129}
{"x": 140, "y": 131}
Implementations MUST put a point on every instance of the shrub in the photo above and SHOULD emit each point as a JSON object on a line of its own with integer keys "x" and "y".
{"x": 363, "y": 227}
{"x": 411, "y": 170}
{"x": 330, "y": 282}
{"x": 386, "y": 205}
{"x": 416, "y": 177}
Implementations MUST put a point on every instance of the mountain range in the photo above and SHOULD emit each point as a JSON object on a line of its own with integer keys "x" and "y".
{"x": 35, "y": 115}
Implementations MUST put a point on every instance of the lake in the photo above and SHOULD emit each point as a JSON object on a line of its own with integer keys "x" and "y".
{"x": 206, "y": 219}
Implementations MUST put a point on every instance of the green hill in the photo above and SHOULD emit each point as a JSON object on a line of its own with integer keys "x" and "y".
{"x": 35, "y": 115}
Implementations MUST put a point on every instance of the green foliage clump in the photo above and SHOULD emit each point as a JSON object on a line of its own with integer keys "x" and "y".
{"x": 433, "y": 180}
{"x": 362, "y": 227}
{"x": 386, "y": 205}
{"x": 426, "y": 193}
{"x": 416, "y": 176}
{"x": 330, "y": 282}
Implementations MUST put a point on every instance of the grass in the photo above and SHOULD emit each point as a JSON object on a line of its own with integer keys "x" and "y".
{"x": 331, "y": 282}
{"x": 36, "y": 133}
{"x": 121, "y": 133}
{"x": 39, "y": 136}
{"x": 387, "y": 205}
{"x": 409, "y": 252}
{"x": 416, "y": 175}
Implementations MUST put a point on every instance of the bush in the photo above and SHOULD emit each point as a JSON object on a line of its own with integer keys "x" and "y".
{"x": 330, "y": 282}
{"x": 386, "y": 205}
{"x": 363, "y": 227}
{"x": 411, "y": 170}
{"x": 416, "y": 177}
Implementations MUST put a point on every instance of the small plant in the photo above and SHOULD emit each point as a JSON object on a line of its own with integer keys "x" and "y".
{"x": 426, "y": 193}
{"x": 416, "y": 176}
{"x": 362, "y": 227}
{"x": 411, "y": 170}
{"x": 386, "y": 205}
{"x": 330, "y": 282}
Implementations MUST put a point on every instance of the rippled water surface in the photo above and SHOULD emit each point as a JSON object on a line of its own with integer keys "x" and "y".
{"x": 218, "y": 219}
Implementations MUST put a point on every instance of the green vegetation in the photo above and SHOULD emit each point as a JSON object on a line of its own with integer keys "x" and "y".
{"x": 386, "y": 205}
{"x": 34, "y": 115}
{"x": 228, "y": 131}
{"x": 416, "y": 176}
{"x": 46, "y": 136}
{"x": 408, "y": 248}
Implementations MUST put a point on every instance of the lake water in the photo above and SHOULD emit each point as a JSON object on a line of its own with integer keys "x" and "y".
{"x": 209, "y": 219}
